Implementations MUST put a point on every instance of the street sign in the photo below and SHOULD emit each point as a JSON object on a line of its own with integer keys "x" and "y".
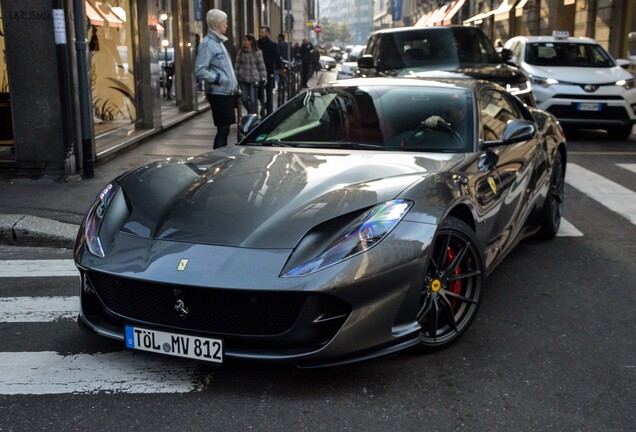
{"x": 317, "y": 29}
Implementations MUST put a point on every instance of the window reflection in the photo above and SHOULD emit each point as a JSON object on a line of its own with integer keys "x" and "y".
{"x": 112, "y": 74}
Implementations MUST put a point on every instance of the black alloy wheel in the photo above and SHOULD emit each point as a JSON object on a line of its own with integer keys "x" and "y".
{"x": 620, "y": 133}
{"x": 453, "y": 286}
{"x": 553, "y": 205}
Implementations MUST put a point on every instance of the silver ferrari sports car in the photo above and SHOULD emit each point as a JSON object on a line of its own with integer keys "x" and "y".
{"x": 359, "y": 219}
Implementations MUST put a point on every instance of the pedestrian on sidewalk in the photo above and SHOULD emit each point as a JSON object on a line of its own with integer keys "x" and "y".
{"x": 214, "y": 65}
{"x": 272, "y": 60}
{"x": 307, "y": 62}
{"x": 250, "y": 72}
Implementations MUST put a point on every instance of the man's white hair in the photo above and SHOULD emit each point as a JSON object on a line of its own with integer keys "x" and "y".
{"x": 215, "y": 17}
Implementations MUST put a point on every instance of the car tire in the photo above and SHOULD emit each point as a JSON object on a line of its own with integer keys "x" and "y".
{"x": 453, "y": 286}
{"x": 553, "y": 205}
{"x": 620, "y": 133}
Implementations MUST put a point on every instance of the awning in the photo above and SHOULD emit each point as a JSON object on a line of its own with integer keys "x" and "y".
{"x": 519, "y": 7}
{"x": 438, "y": 16}
{"x": 452, "y": 11}
{"x": 93, "y": 17}
{"x": 424, "y": 19}
{"x": 503, "y": 11}
{"x": 110, "y": 17}
{"x": 119, "y": 13}
{"x": 477, "y": 19}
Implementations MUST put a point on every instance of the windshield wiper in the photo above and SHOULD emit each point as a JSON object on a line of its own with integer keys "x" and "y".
{"x": 345, "y": 145}
{"x": 270, "y": 143}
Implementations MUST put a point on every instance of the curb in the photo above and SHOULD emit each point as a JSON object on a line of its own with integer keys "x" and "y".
{"x": 25, "y": 230}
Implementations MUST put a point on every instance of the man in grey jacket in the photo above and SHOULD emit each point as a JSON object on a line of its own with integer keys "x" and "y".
{"x": 214, "y": 65}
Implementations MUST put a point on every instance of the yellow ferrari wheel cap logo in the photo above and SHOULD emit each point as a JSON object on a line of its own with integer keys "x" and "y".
{"x": 436, "y": 285}
{"x": 182, "y": 265}
{"x": 493, "y": 185}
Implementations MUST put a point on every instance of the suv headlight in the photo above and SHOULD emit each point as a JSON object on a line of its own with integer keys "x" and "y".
{"x": 519, "y": 88}
{"x": 627, "y": 84}
{"x": 543, "y": 82}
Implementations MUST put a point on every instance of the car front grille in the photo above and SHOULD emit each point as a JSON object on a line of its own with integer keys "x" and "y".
{"x": 588, "y": 97}
{"x": 213, "y": 310}
{"x": 570, "y": 112}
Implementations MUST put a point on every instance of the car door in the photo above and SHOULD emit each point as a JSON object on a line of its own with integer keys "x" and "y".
{"x": 513, "y": 171}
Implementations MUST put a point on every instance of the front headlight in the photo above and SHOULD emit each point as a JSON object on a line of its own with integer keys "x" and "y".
{"x": 519, "y": 88}
{"x": 362, "y": 234}
{"x": 543, "y": 82}
{"x": 627, "y": 84}
{"x": 95, "y": 218}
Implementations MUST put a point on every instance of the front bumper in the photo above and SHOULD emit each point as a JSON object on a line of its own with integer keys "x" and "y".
{"x": 361, "y": 308}
{"x": 608, "y": 106}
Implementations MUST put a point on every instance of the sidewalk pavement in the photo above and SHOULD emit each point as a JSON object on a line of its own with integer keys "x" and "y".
{"x": 47, "y": 211}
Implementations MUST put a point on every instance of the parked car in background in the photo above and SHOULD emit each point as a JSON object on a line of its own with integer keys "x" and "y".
{"x": 456, "y": 51}
{"x": 578, "y": 81}
{"x": 348, "y": 68}
{"x": 361, "y": 218}
{"x": 327, "y": 62}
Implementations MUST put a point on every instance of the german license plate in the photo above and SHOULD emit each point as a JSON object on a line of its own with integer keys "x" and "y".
{"x": 178, "y": 345}
{"x": 586, "y": 106}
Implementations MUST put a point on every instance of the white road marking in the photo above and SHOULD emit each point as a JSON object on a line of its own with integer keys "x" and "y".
{"x": 566, "y": 229}
{"x": 38, "y": 309}
{"x": 615, "y": 197}
{"x": 38, "y": 268}
{"x": 47, "y": 372}
{"x": 630, "y": 167}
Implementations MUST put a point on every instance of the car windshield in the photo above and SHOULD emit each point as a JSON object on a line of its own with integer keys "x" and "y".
{"x": 447, "y": 48}
{"x": 396, "y": 118}
{"x": 355, "y": 54}
{"x": 567, "y": 54}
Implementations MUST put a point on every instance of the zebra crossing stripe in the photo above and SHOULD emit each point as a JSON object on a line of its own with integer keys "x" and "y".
{"x": 38, "y": 309}
{"x": 615, "y": 197}
{"x": 566, "y": 229}
{"x": 47, "y": 372}
{"x": 37, "y": 268}
{"x": 629, "y": 167}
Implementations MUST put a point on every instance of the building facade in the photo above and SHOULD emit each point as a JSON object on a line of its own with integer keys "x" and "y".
{"x": 607, "y": 21}
{"x": 83, "y": 79}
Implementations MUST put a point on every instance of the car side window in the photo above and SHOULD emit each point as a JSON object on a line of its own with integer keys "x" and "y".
{"x": 496, "y": 111}
{"x": 516, "y": 50}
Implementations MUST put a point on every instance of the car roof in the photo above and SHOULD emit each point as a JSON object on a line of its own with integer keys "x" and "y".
{"x": 449, "y": 83}
{"x": 419, "y": 29}
{"x": 578, "y": 39}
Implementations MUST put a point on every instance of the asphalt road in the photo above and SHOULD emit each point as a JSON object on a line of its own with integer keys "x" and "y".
{"x": 553, "y": 348}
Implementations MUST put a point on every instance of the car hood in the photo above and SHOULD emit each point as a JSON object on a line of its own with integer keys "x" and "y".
{"x": 579, "y": 75}
{"x": 499, "y": 73}
{"x": 262, "y": 197}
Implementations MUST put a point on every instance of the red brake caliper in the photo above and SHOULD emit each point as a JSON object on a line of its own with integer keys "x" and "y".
{"x": 454, "y": 286}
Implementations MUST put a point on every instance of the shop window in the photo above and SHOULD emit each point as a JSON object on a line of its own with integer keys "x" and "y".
{"x": 6, "y": 126}
{"x": 112, "y": 74}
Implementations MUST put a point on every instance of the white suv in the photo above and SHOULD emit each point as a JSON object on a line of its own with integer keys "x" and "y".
{"x": 578, "y": 81}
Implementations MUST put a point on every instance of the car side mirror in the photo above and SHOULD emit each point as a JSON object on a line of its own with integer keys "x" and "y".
{"x": 246, "y": 124}
{"x": 623, "y": 63}
{"x": 506, "y": 54}
{"x": 515, "y": 131}
{"x": 366, "y": 62}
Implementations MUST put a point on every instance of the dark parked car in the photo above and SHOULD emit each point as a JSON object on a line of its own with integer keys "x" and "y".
{"x": 452, "y": 51}
{"x": 359, "y": 219}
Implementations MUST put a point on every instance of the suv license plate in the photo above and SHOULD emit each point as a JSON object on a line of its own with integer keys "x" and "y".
{"x": 178, "y": 345}
{"x": 589, "y": 106}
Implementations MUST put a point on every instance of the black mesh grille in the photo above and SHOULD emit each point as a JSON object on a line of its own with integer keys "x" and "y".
{"x": 606, "y": 113}
{"x": 232, "y": 312}
{"x": 587, "y": 97}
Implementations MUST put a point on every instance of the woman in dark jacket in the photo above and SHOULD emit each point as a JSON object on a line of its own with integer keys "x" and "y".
{"x": 250, "y": 70}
